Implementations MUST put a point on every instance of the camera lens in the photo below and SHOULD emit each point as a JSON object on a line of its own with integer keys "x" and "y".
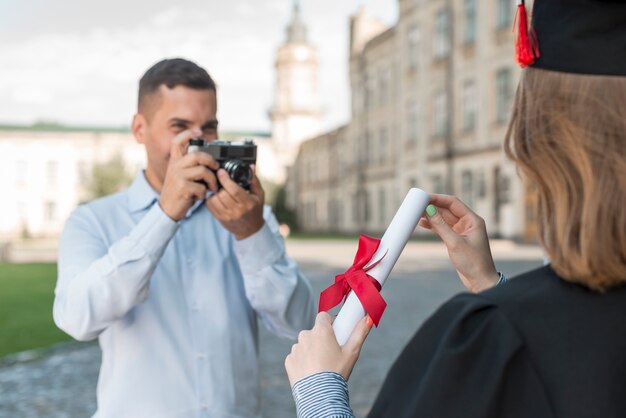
{"x": 199, "y": 142}
{"x": 239, "y": 172}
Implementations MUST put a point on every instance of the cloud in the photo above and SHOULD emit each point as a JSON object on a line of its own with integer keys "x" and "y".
{"x": 89, "y": 75}
{"x": 30, "y": 95}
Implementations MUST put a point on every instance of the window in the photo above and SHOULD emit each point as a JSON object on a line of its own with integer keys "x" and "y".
{"x": 371, "y": 93}
{"x": 504, "y": 93}
{"x": 467, "y": 188}
{"x": 413, "y": 47}
{"x": 505, "y": 189}
{"x": 383, "y": 149}
{"x": 469, "y": 106}
{"x": 469, "y": 33}
{"x": 21, "y": 172}
{"x": 366, "y": 206}
{"x": 370, "y": 155}
{"x": 338, "y": 212}
{"x": 22, "y": 211}
{"x": 482, "y": 185}
{"x": 382, "y": 216}
{"x": 50, "y": 213}
{"x": 52, "y": 173}
{"x": 437, "y": 182}
{"x": 383, "y": 87}
{"x": 367, "y": 99}
{"x": 412, "y": 123}
{"x": 442, "y": 34}
{"x": 365, "y": 149}
{"x": 504, "y": 14}
{"x": 82, "y": 169}
{"x": 440, "y": 117}
{"x": 357, "y": 100}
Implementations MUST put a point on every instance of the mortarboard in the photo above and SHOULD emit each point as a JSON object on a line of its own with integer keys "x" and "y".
{"x": 573, "y": 36}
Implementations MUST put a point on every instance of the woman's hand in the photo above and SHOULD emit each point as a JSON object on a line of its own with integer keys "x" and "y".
{"x": 317, "y": 350}
{"x": 465, "y": 235}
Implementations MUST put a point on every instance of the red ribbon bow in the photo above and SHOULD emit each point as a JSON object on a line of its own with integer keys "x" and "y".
{"x": 366, "y": 288}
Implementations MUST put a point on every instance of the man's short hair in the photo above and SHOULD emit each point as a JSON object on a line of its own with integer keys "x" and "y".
{"x": 171, "y": 73}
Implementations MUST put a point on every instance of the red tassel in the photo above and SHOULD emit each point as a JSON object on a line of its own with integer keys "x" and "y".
{"x": 526, "y": 49}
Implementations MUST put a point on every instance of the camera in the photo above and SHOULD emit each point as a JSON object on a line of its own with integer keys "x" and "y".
{"x": 234, "y": 157}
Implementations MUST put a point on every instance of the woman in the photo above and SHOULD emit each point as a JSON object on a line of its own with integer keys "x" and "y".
{"x": 552, "y": 342}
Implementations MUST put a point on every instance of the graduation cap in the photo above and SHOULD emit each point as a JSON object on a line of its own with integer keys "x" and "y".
{"x": 573, "y": 36}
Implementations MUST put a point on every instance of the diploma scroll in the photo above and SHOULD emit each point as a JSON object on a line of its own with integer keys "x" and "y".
{"x": 391, "y": 245}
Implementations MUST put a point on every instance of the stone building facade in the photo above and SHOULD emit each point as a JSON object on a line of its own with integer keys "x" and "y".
{"x": 430, "y": 101}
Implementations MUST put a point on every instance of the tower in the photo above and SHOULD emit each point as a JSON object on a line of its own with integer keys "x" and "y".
{"x": 296, "y": 114}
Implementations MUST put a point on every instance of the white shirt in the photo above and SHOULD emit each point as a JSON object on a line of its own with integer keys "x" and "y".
{"x": 175, "y": 305}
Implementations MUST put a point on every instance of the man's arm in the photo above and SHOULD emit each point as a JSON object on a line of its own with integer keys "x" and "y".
{"x": 275, "y": 286}
{"x": 97, "y": 284}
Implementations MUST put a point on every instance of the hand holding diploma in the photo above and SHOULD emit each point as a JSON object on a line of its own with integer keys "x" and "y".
{"x": 335, "y": 346}
{"x": 380, "y": 265}
{"x": 465, "y": 235}
{"x": 317, "y": 350}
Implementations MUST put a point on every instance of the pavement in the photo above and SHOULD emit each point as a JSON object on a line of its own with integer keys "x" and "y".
{"x": 61, "y": 382}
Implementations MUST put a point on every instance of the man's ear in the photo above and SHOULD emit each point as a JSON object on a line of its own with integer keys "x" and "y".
{"x": 139, "y": 127}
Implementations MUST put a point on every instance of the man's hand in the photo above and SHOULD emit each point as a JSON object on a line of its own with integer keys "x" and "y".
{"x": 180, "y": 187}
{"x": 317, "y": 350}
{"x": 239, "y": 211}
{"x": 465, "y": 235}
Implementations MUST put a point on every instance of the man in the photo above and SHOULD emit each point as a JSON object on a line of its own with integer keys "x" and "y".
{"x": 172, "y": 282}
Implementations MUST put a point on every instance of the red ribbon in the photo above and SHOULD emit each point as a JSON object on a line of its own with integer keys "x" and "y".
{"x": 366, "y": 288}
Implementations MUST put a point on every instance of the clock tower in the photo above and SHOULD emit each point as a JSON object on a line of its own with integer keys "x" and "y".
{"x": 296, "y": 114}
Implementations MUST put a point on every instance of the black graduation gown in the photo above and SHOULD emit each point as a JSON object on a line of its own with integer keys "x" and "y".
{"x": 536, "y": 346}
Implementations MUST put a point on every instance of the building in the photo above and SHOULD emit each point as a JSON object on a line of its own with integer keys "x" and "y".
{"x": 46, "y": 172}
{"x": 430, "y": 101}
{"x": 46, "y": 168}
{"x": 296, "y": 114}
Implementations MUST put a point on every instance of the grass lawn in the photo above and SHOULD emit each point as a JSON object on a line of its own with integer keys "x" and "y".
{"x": 26, "y": 295}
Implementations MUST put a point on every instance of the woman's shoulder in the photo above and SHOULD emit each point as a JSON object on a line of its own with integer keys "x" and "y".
{"x": 505, "y": 308}
{"x": 521, "y": 289}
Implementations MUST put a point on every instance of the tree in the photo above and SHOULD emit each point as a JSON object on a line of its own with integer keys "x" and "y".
{"x": 282, "y": 212}
{"x": 107, "y": 178}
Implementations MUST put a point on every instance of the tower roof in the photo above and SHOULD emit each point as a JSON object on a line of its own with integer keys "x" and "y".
{"x": 296, "y": 31}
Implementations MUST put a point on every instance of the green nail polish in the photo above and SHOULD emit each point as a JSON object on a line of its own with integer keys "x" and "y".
{"x": 431, "y": 210}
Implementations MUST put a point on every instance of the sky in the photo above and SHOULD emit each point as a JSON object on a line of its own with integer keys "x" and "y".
{"x": 77, "y": 62}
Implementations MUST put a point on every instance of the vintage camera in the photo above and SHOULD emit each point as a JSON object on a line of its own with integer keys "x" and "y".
{"x": 234, "y": 157}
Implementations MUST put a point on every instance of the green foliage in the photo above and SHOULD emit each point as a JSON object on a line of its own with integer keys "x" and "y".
{"x": 282, "y": 212}
{"x": 26, "y": 297}
{"x": 107, "y": 178}
{"x": 271, "y": 190}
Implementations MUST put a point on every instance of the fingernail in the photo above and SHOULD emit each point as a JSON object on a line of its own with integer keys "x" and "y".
{"x": 369, "y": 321}
{"x": 221, "y": 172}
{"x": 431, "y": 210}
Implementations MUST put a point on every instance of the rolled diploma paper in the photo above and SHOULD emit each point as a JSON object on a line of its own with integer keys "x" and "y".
{"x": 392, "y": 243}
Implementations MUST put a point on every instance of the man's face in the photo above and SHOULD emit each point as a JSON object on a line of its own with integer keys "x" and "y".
{"x": 172, "y": 112}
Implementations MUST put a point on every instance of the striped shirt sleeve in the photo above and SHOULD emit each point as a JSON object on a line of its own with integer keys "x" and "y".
{"x": 322, "y": 395}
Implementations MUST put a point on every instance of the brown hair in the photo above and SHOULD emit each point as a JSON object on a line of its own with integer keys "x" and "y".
{"x": 171, "y": 73}
{"x": 568, "y": 137}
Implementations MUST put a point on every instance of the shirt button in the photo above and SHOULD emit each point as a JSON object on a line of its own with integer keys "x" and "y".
{"x": 200, "y": 356}
{"x": 205, "y": 406}
{"x": 195, "y": 308}
{"x": 189, "y": 260}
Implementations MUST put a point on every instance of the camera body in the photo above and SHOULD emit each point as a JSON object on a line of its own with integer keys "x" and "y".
{"x": 234, "y": 157}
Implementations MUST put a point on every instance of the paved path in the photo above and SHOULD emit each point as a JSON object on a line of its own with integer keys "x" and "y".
{"x": 62, "y": 383}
